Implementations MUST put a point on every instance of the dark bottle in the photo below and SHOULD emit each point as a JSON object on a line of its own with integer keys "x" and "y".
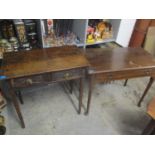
{"x": 7, "y": 29}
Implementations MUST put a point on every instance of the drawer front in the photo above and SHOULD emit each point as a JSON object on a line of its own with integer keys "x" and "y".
{"x": 48, "y": 78}
{"x": 118, "y": 75}
{"x": 68, "y": 74}
{"x": 33, "y": 80}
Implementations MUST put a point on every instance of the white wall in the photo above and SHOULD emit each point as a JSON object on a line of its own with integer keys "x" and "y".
{"x": 125, "y": 31}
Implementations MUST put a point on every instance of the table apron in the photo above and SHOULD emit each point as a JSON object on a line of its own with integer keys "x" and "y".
{"x": 119, "y": 75}
{"x": 48, "y": 78}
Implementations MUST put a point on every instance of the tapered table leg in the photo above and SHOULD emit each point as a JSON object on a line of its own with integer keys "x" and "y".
{"x": 71, "y": 86}
{"x": 149, "y": 128}
{"x": 80, "y": 94}
{"x": 90, "y": 85}
{"x": 146, "y": 90}
{"x": 16, "y": 105}
{"x": 20, "y": 96}
{"x": 125, "y": 83}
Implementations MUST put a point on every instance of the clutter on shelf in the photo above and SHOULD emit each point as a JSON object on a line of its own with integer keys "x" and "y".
{"x": 8, "y": 45}
{"x": 31, "y": 30}
{"x": 98, "y": 30}
{"x": 58, "y": 33}
{"x": 53, "y": 41}
{"x": 17, "y": 35}
{"x": 21, "y": 34}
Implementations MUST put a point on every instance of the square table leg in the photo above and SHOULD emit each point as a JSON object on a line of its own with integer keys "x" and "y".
{"x": 71, "y": 86}
{"x": 145, "y": 91}
{"x": 19, "y": 94}
{"x": 16, "y": 104}
{"x": 80, "y": 94}
{"x": 90, "y": 85}
{"x": 126, "y": 81}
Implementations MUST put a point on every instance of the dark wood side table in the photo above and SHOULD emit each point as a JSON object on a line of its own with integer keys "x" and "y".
{"x": 116, "y": 64}
{"x": 43, "y": 66}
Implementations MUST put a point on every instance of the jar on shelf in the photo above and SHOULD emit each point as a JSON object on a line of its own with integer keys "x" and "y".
{"x": 32, "y": 38}
{"x": 30, "y": 27}
{"x": 14, "y": 43}
{"x": 8, "y": 47}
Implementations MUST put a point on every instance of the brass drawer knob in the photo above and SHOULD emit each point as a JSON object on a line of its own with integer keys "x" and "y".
{"x": 67, "y": 75}
{"x": 29, "y": 81}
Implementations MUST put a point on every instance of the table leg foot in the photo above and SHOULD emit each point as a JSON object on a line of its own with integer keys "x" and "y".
{"x": 79, "y": 112}
{"x": 125, "y": 83}
{"x": 86, "y": 113}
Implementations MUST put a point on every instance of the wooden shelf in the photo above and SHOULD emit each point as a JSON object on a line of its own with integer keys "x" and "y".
{"x": 80, "y": 44}
{"x": 100, "y": 42}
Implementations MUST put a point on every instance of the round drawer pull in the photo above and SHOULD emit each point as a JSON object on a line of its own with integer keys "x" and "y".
{"x": 67, "y": 75}
{"x": 29, "y": 81}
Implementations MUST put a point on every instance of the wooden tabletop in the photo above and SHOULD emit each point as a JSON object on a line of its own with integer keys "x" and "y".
{"x": 117, "y": 59}
{"x": 20, "y": 64}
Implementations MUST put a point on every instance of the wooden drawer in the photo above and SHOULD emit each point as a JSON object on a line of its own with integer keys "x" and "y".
{"x": 68, "y": 74}
{"x": 118, "y": 75}
{"x": 32, "y": 80}
{"x": 48, "y": 78}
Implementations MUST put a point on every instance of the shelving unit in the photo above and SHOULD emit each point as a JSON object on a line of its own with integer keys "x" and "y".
{"x": 122, "y": 30}
{"x": 80, "y": 29}
{"x": 58, "y": 32}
